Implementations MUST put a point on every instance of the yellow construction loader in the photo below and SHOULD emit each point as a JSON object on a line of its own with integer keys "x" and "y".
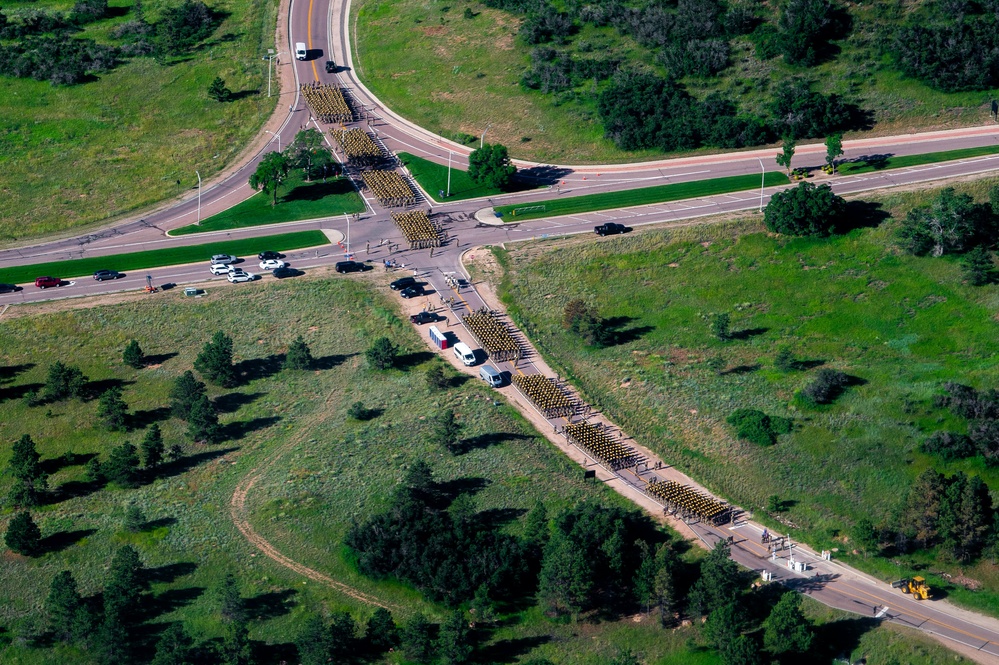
{"x": 917, "y": 586}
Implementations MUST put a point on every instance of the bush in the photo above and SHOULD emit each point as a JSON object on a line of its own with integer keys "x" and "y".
{"x": 64, "y": 381}
{"x": 490, "y": 165}
{"x": 23, "y": 535}
{"x": 805, "y": 210}
{"x": 358, "y": 412}
{"x": 299, "y": 355}
{"x": 133, "y": 355}
{"x": 758, "y": 427}
{"x": 383, "y": 354}
{"x": 826, "y": 387}
{"x": 952, "y": 224}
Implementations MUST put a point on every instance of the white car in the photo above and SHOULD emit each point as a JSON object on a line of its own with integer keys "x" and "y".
{"x": 221, "y": 269}
{"x": 271, "y": 264}
{"x": 241, "y": 276}
{"x": 220, "y": 259}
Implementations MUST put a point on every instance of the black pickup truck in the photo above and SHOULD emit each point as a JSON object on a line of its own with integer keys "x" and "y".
{"x": 610, "y": 229}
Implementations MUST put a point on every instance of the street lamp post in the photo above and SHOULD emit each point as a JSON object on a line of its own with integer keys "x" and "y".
{"x": 449, "y": 153}
{"x": 348, "y": 232}
{"x": 763, "y": 179}
{"x": 199, "y": 197}
{"x": 482, "y": 138}
{"x": 278, "y": 138}
{"x": 270, "y": 59}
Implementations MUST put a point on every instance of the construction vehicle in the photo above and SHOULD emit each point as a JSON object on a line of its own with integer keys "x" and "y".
{"x": 917, "y": 586}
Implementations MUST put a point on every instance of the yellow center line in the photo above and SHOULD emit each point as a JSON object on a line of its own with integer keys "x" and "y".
{"x": 315, "y": 72}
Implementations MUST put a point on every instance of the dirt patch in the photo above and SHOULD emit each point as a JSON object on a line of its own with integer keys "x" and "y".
{"x": 434, "y": 31}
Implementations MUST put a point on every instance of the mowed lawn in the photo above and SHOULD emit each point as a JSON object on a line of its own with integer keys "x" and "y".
{"x": 902, "y": 325}
{"x": 73, "y": 156}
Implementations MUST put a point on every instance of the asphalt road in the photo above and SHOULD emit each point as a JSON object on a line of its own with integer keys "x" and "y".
{"x": 321, "y": 24}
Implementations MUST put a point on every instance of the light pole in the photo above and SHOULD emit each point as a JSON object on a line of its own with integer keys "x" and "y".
{"x": 763, "y": 179}
{"x": 348, "y": 232}
{"x": 199, "y": 198}
{"x": 278, "y": 138}
{"x": 449, "y": 153}
{"x": 270, "y": 59}
{"x": 483, "y": 137}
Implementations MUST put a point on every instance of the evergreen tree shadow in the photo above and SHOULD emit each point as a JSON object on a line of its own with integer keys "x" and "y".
{"x": 270, "y": 605}
{"x": 157, "y": 359}
{"x": 458, "y": 380}
{"x": 494, "y": 518}
{"x": 59, "y": 541}
{"x": 243, "y": 94}
{"x": 282, "y": 652}
{"x": 449, "y": 490}
{"x": 409, "y": 360}
{"x": 143, "y": 418}
{"x": 74, "y": 489}
{"x": 317, "y": 190}
{"x": 862, "y": 215}
{"x": 616, "y": 334}
{"x": 10, "y": 372}
{"x": 509, "y": 650}
{"x": 237, "y": 430}
{"x": 331, "y": 361}
{"x": 169, "y": 572}
{"x": 838, "y": 639}
{"x": 170, "y": 600}
{"x": 158, "y": 523}
{"x": 18, "y": 392}
{"x": 540, "y": 176}
{"x": 748, "y": 333}
{"x": 258, "y": 368}
{"x": 232, "y": 402}
{"x": 56, "y": 464}
{"x": 809, "y": 584}
{"x": 741, "y": 369}
{"x": 490, "y": 439}
{"x": 808, "y": 364}
{"x": 186, "y": 463}
{"x": 94, "y": 389}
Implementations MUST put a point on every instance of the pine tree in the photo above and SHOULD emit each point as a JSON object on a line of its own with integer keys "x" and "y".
{"x": 417, "y": 639}
{"x": 536, "y": 529}
{"x": 343, "y": 631}
{"x": 714, "y": 588}
{"x": 174, "y": 646}
{"x": 978, "y": 267}
{"x": 784, "y": 360}
{"x": 215, "y": 361}
{"x": 122, "y": 467}
{"x": 235, "y": 648}
{"x": 313, "y": 643}
{"x": 232, "y": 607}
{"x": 382, "y": 354}
{"x": 741, "y": 651}
{"x": 787, "y": 630}
{"x": 218, "y": 90}
{"x": 381, "y": 633}
{"x": 454, "y": 644}
{"x": 134, "y": 519}
{"x": 447, "y": 431}
{"x": 203, "y": 422}
{"x": 720, "y": 327}
{"x": 185, "y": 392}
{"x": 663, "y": 584}
{"x": 133, "y": 355}
{"x": 299, "y": 356}
{"x": 436, "y": 378}
{"x": 64, "y": 381}
{"x": 30, "y": 481}
{"x": 565, "y": 581}
{"x": 112, "y": 409}
{"x": 152, "y": 447}
{"x": 724, "y": 625}
{"x": 64, "y": 607}
{"x": 23, "y": 535}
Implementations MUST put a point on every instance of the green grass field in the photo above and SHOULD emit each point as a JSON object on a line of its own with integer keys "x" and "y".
{"x": 901, "y": 324}
{"x": 319, "y": 471}
{"x": 866, "y": 166}
{"x": 299, "y": 200}
{"x": 635, "y": 197}
{"x": 433, "y": 179}
{"x": 456, "y": 76}
{"x": 73, "y": 156}
{"x": 163, "y": 257}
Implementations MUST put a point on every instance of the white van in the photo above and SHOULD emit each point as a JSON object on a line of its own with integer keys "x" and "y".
{"x": 491, "y": 375}
{"x": 464, "y": 354}
{"x": 300, "y": 50}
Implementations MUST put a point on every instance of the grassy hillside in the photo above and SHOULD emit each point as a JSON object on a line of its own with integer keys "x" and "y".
{"x": 74, "y": 155}
{"x": 900, "y": 324}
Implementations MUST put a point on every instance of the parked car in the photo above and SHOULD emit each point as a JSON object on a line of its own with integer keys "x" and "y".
{"x": 411, "y": 292}
{"x": 281, "y": 273}
{"x": 271, "y": 264}
{"x": 220, "y": 259}
{"x": 9, "y": 288}
{"x": 102, "y": 275}
{"x": 221, "y": 269}
{"x": 352, "y": 266}
{"x": 610, "y": 229}
{"x": 46, "y": 282}
{"x": 424, "y": 317}
{"x": 241, "y": 276}
{"x": 263, "y": 256}
{"x": 402, "y": 283}
{"x": 330, "y": 67}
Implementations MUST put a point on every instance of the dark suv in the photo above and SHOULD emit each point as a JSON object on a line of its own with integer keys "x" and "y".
{"x": 263, "y": 256}
{"x": 402, "y": 283}
{"x": 610, "y": 229}
{"x": 351, "y": 266}
{"x": 423, "y": 317}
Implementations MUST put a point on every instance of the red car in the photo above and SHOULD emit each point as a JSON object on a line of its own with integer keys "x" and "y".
{"x": 46, "y": 282}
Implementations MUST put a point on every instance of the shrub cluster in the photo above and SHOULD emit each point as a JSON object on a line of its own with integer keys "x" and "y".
{"x": 758, "y": 427}
{"x": 981, "y": 410}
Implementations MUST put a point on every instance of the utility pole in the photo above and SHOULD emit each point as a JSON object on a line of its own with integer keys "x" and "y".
{"x": 763, "y": 179}
{"x": 199, "y": 198}
{"x": 449, "y": 153}
{"x": 348, "y": 232}
{"x": 483, "y": 137}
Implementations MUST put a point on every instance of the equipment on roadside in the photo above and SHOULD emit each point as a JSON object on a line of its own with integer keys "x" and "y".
{"x": 917, "y": 586}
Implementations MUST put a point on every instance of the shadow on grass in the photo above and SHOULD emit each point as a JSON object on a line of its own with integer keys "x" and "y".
{"x": 237, "y": 430}
{"x": 243, "y": 94}
{"x": 283, "y": 652}
{"x": 617, "y": 334}
{"x": 748, "y": 333}
{"x": 171, "y": 600}
{"x": 57, "y": 542}
{"x": 458, "y": 381}
{"x": 741, "y": 369}
{"x": 862, "y": 215}
{"x": 170, "y": 572}
{"x": 10, "y": 372}
{"x": 808, "y": 364}
{"x": 490, "y": 439}
{"x": 876, "y": 162}
{"x": 18, "y": 392}
{"x": 232, "y": 402}
{"x": 450, "y": 490}
{"x": 75, "y": 489}
{"x": 95, "y": 389}
{"x": 270, "y": 605}
{"x": 839, "y": 639}
{"x": 331, "y": 361}
{"x": 316, "y": 190}
{"x": 56, "y": 464}
{"x": 145, "y": 417}
{"x": 494, "y": 518}
{"x": 510, "y": 650}
{"x": 259, "y": 368}
{"x": 158, "y": 523}
{"x": 410, "y": 360}
{"x": 188, "y": 462}
{"x": 157, "y": 359}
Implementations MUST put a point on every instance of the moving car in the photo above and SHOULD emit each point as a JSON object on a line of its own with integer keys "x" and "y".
{"x": 102, "y": 275}
{"x": 610, "y": 228}
{"x": 400, "y": 284}
{"x": 9, "y": 288}
{"x": 411, "y": 292}
{"x": 491, "y": 375}
{"x": 271, "y": 264}
{"x": 263, "y": 256}
{"x": 221, "y": 269}
{"x": 46, "y": 282}
{"x": 330, "y": 67}
{"x": 464, "y": 353}
{"x": 300, "y": 51}
{"x": 241, "y": 276}
{"x": 223, "y": 258}
{"x": 281, "y": 273}
{"x": 351, "y": 266}
{"x": 423, "y": 317}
